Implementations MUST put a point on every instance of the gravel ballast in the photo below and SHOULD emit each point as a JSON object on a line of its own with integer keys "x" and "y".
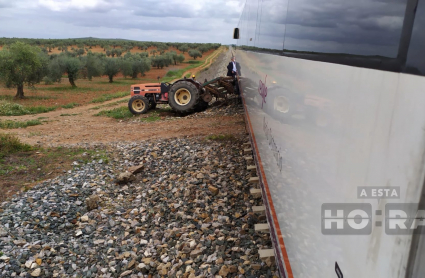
{"x": 186, "y": 213}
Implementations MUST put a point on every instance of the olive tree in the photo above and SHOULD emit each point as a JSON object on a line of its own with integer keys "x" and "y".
{"x": 94, "y": 65}
{"x": 140, "y": 65}
{"x": 67, "y": 64}
{"x": 195, "y": 53}
{"x": 161, "y": 61}
{"x": 111, "y": 68}
{"x": 174, "y": 57}
{"x": 180, "y": 58}
{"x": 22, "y": 64}
{"x": 183, "y": 48}
{"x": 71, "y": 67}
{"x": 127, "y": 67}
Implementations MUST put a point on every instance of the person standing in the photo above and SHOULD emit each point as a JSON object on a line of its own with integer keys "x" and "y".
{"x": 232, "y": 70}
{"x": 231, "y": 67}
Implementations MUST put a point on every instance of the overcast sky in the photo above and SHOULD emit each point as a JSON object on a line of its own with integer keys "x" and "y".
{"x": 366, "y": 27}
{"x": 143, "y": 20}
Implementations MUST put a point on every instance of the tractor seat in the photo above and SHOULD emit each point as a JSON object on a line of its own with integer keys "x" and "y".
{"x": 164, "y": 88}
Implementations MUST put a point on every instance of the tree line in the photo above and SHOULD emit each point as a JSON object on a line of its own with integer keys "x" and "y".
{"x": 120, "y": 46}
{"x": 22, "y": 63}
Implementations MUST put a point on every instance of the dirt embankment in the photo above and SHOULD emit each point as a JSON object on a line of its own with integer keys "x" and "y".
{"x": 217, "y": 68}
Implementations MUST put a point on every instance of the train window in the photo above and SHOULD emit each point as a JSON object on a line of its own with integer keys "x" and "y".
{"x": 415, "y": 58}
{"x": 263, "y": 25}
{"x": 365, "y": 28}
{"x": 271, "y": 24}
{"x": 364, "y": 33}
{"x": 247, "y": 24}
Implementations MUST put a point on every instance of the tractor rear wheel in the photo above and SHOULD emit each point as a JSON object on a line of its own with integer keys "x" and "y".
{"x": 138, "y": 105}
{"x": 183, "y": 97}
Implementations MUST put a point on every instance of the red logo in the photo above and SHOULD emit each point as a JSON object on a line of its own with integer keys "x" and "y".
{"x": 262, "y": 90}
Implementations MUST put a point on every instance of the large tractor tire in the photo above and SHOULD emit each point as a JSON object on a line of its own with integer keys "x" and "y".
{"x": 138, "y": 105}
{"x": 183, "y": 97}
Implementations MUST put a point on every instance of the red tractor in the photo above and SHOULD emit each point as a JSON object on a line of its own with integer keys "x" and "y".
{"x": 184, "y": 95}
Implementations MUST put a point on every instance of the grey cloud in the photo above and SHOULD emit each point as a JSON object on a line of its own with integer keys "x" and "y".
{"x": 144, "y": 25}
{"x": 160, "y": 20}
{"x": 125, "y": 20}
{"x": 343, "y": 25}
{"x": 8, "y": 3}
{"x": 162, "y": 9}
{"x": 331, "y": 14}
{"x": 166, "y": 9}
{"x": 366, "y": 27}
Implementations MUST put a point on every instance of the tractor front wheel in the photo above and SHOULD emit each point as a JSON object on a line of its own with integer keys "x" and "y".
{"x": 183, "y": 97}
{"x": 138, "y": 105}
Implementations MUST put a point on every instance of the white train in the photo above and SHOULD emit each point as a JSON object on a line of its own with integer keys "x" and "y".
{"x": 334, "y": 95}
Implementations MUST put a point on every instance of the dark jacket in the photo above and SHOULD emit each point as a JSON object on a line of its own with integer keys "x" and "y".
{"x": 230, "y": 69}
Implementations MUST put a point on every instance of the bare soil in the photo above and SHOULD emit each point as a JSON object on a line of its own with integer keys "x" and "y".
{"x": 83, "y": 127}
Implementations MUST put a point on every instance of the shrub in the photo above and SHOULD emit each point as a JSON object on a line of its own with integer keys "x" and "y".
{"x": 11, "y": 144}
{"x": 47, "y": 80}
{"x": 16, "y": 124}
{"x": 14, "y": 109}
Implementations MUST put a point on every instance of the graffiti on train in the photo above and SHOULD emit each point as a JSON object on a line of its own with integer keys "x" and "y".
{"x": 262, "y": 90}
{"x": 272, "y": 144}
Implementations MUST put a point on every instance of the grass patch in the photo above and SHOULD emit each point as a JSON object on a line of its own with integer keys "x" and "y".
{"x": 16, "y": 124}
{"x": 123, "y": 113}
{"x": 64, "y": 115}
{"x": 40, "y": 109}
{"x": 115, "y": 103}
{"x": 173, "y": 74}
{"x": 221, "y": 137}
{"x": 82, "y": 156}
{"x": 12, "y": 98}
{"x": 10, "y": 144}
{"x": 117, "y": 113}
{"x": 32, "y": 134}
{"x": 109, "y": 97}
{"x": 14, "y": 109}
{"x": 69, "y": 89}
{"x": 70, "y": 105}
{"x": 152, "y": 117}
{"x": 21, "y": 163}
